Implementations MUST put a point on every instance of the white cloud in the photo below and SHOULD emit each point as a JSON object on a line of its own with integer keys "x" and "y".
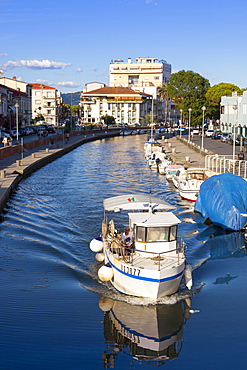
{"x": 45, "y": 82}
{"x": 69, "y": 84}
{"x": 3, "y": 55}
{"x": 35, "y": 64}
{"x": 78, "y": 70}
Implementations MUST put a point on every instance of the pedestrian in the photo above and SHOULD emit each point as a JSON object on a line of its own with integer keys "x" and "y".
{"x": 67, "y": 136}
{"x": 241, "y": 155}
{"x": 191, "y": 136}
{"x": 5, "y": 141}
{"x": 51, "y": 142}
{"x": 10, "y": 141}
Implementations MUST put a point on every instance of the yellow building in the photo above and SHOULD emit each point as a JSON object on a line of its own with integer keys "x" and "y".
{"x": 144, "y": 75}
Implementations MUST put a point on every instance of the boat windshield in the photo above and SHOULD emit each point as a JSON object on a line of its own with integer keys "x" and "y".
{"x": 156, "y": 234}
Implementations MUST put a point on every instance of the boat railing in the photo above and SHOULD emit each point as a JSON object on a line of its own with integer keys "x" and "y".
{"x": 127, "y": 253}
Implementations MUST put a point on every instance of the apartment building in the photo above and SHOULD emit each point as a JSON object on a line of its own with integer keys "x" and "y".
{"x": 233, "y": 113}
{"x": 124, "y": 104}
{"x": 46, "y": 101}
{"x": 144, "y": 74}
{"x": 20, "y": 93}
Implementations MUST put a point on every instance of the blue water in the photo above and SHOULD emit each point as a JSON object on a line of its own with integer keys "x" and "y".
{"x": 54, "y": 312}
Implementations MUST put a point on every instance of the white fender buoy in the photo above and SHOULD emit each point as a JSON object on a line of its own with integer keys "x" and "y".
{"x": 105, "y": 273}
{"x": 188, "y": 276}
{"x": 105, "y": 304}
{"x": 100, "y": 257}
{"x": 96, "y": 245}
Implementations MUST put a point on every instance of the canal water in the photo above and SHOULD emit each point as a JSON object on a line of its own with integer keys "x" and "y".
{"x": 55, "y": 314}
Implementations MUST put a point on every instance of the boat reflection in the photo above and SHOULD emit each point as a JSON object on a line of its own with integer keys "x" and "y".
{"x": 153, "y": 334}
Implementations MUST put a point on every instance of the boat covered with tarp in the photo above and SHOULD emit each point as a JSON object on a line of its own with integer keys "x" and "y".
{"x": 223, "y": 199}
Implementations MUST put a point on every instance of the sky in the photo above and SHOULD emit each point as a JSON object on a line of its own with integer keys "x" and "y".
{"x": 66, "y": 44}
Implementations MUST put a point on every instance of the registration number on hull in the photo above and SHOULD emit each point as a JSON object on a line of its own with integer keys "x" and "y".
{"x": 130, "y": 270}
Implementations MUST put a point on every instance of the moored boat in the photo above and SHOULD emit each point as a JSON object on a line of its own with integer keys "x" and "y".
{"x": 222, "y": 199}
{"x": 153, "y": 263}
{"x": 189, "y": 187}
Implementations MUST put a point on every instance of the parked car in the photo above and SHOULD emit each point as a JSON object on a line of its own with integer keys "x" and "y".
{"x": 224, "y": 136}
{"x": 217, "y": 135}
{"x": 209, "y": 133}
{"x": 51, "y": 129}
{"x": 195, "y": 131}
{"x": 42, "y": 132}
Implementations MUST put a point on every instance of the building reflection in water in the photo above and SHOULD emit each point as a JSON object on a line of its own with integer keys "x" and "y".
{"x": 153, "y": 334}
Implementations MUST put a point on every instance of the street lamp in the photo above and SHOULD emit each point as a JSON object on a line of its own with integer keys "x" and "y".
{"x": 181, "y": 120}
{"x": 71, "y": 111}
{"x": 189, "y": 122}
{"x": 17, "y": 128}
{"x": 203, "y": 112}
{"x": 235, "y": 107}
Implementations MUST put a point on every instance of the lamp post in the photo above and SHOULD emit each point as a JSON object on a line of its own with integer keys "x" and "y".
{"x": 71, "y": 111}
{"x": 235, "y": 107}
{"x": 189, "y": 122}
{"x": 181, "y": 120}
{"x": 203, "y": 113}
{"x": 17, "y": 127}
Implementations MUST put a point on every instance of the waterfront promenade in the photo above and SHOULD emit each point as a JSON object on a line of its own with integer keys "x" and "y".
{"x": 15, "y": 167}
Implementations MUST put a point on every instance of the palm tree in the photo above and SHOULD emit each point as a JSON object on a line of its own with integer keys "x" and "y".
{"x": 163, "y": 95}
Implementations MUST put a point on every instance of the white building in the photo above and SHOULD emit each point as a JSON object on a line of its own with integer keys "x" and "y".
{"x": 22, "y": 95}
{"x": 233, "y": 113}
{"x": 145, "y": 74}
{"x": 124, "y": 104}
{"x": 46, "y": 100}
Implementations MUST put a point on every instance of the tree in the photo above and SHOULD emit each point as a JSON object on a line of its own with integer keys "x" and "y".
{"x": 215, "y": 92}
{"x": 108, "y": 120}
{"x": 163, "y": 95}
{"x": 188, "y": 89}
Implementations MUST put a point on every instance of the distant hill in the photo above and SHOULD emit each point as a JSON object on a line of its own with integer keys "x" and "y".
{"x": 75, "y": 98}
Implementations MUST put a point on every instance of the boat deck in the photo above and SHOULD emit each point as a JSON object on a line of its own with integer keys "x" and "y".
{"x": 152, "y": 263}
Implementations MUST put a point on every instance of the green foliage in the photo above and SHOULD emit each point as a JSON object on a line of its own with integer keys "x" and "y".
{"x": 188, "y": 90}
{"x": 215, "y": 92}
{"x": 149, "y": 118}
{"x": 39, "y": 117}
{"x": 108, "y": 120}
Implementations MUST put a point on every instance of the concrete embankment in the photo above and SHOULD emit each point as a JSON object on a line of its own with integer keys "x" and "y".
{"x": 15, "y": 168}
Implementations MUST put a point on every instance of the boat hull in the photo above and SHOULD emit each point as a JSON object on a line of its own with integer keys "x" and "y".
{"x": 136, "y": 281}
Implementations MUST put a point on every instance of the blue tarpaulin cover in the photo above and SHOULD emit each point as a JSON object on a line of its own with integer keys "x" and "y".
{"x": 223, "y": 199}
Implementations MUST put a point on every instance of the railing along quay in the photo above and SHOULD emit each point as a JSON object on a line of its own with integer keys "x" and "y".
{"x": 225, "y": 164}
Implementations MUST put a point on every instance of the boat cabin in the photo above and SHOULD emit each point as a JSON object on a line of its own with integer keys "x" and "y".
{"x": 154, "y": 232}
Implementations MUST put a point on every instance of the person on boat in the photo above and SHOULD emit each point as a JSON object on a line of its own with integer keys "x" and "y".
{"x": 127, "y": 238}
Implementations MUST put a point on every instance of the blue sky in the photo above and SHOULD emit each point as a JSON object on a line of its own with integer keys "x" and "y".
{"x": 66, "y": 44}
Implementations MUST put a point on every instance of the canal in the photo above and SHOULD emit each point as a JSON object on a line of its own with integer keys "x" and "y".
{"x": 54, "y": 312}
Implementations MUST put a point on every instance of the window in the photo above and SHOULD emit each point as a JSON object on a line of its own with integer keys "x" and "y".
{"x": 48, "y": 111}
{"x": 156, "y": 234}
{"x": 222, "y": 109}
{"x": 173, "y": 233}
{"x": 140, "y": 234}
{"x": 156, "y": 78}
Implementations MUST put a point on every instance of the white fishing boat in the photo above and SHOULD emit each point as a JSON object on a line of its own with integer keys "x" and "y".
{"x": 171, "y": 170}
{"x": 162, "y": 166}
{"x": 189, "y": 187}
{"x": 153, "y": 264}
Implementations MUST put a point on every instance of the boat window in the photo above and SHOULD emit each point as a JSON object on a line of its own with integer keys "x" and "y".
{"x": 140, "y": 234}
{"x": 173, "y": 233}
{"x": 157, "y": 234}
